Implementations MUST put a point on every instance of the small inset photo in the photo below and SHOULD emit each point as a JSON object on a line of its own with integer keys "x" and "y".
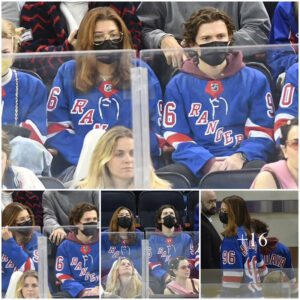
{"x": 249, "y": 244}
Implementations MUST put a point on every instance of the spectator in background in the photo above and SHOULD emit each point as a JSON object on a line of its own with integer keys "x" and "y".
{"x": 288, "y": 105}
{"x": 162, "y": 27}
{"x": 284, "y": 31}
{"x": 19, "y": 245}
{"x": 121, "y": 239}
{"x": 13, "y": 177}
{"x": 102, "y": 76}
{"x": 112, "y": 165}
{"x": 24, "y": 96}
{"x": 11, "y": 11}
{"x": 57, "y": 206}
{"x": 226, "y": 127}
{"x": 238, "y": 251}
{"x": 276, "y": 255}
{"x": 282, "y": 174}
{"x": 210, "y": 240}
{"x": 167, "y": 239}
{"x": 52, "y": 26}
{"x": 80, "y": 250}
{"x": 28, "y": 286}
{"x": 123, "y": 280}
{"x": 182, "y": 284}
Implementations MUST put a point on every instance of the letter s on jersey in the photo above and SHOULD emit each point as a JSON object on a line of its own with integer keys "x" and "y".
{"x": 169, "y": 117}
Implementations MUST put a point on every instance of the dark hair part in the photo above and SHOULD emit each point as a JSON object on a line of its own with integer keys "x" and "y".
{"x": 174, "y": 263}
{"x": 11, "y": 211}
{"x": 285, "y": 129}
{"x": 238, "y": 215}
{"x": 259, "y": 227}
{"x": 204, "y": 16}
{"x": 78, "y": 211}
{"x": 159, "y": 212}
{"x": 113, "y": 228}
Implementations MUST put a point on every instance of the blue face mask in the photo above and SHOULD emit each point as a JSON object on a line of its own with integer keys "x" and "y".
{"x": 214, "y": 57}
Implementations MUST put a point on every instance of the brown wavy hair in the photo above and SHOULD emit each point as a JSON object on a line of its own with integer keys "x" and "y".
{"x": 78, "y": 211}
{"x": 87, "y": 73}
{"x": 204, "y": 16}
{"x": 238, "y": 215}
{"x": 113, "y": 227}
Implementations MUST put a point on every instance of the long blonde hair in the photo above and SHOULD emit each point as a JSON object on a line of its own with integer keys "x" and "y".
{"x": 114, "y": 285}
{"x": 98, "y": 174}
{"x": 21, "y": 282}
{"x": 9, "y": 31}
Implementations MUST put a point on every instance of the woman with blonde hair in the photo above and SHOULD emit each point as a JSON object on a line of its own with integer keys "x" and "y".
{"x": 28, "y": 285}
{"x": 123, "y": 280}
{"x": 112, "y": 164}
{"x": 93, "y": 91}
{"x": 24, "y": 96}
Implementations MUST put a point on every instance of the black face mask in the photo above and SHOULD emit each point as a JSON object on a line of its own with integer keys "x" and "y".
{"x": 88, "y": 231}
{"x": 124, "y": 222}
{"x": 223, "y": 217}
{"x": 169, "y": 221}
{"x": 214, "y": 57}
{"x": 110, "y": 57}
{"x": 24, "y": 231}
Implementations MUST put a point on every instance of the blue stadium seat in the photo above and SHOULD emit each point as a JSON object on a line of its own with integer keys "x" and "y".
{"x": 192, "y": 201}
{"x": 237, "y": 179}
{"x": 177, "y": 180}
{"x": 111, "y": 200}
{"x": 150, "y": 201}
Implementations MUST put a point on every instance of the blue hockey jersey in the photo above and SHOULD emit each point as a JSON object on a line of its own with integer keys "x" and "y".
{"x": 18, "y": 257}
{"x": 77, "y": 265}
{"x": 278, "y": 256}
{"x": 110, "y": 252}
{"x": 162, "y": 249}
{"x": 242, "y": 263}
{"x": 24, "y": 102}
{"x": 72, "y": 114}
{"x": 205, "y": 118}
{"x": 288, "y": 105}
{"x": 284, "y": 31}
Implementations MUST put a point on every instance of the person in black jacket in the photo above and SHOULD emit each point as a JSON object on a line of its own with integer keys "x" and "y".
{"x": 210, "y": 240}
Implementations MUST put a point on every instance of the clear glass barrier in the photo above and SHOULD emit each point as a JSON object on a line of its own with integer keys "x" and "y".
{"x": 278, "y": 283}
{"x": 73, "y": 264}
{"x": 172, "y": 258}
{"x": 19, "y": 253}
{"x": 68, "y": 108}
{"x": 218, "y": 102}
{"x": 123, "y": 254}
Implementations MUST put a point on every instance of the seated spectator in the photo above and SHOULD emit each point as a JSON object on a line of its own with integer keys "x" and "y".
{"x": 52, "y": 26}
{"x": 288, "y": 104}
{"x": 182, "y": 284}
{"x": 123, "y": 280}
{"x": 72, "y": 108}
{"x": 122, "y": 239}
{"x": 112, "y": 165}
{"x": 276, "y": 255}
{"x": 80, "y": 253}
{"x": 167, "y": 243}
{"x": 241, "y": 277}
{"x": 57, "y": 206}
{"x": 19, "y": 245}
{"x": 284, "y": 31}
{"x": 28, "y": 286}
{"x": 223, "y": 127}
{"x": 14, "y": 177}
{"x": 282, "y": 174}
{"x": 24, "y": 96}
